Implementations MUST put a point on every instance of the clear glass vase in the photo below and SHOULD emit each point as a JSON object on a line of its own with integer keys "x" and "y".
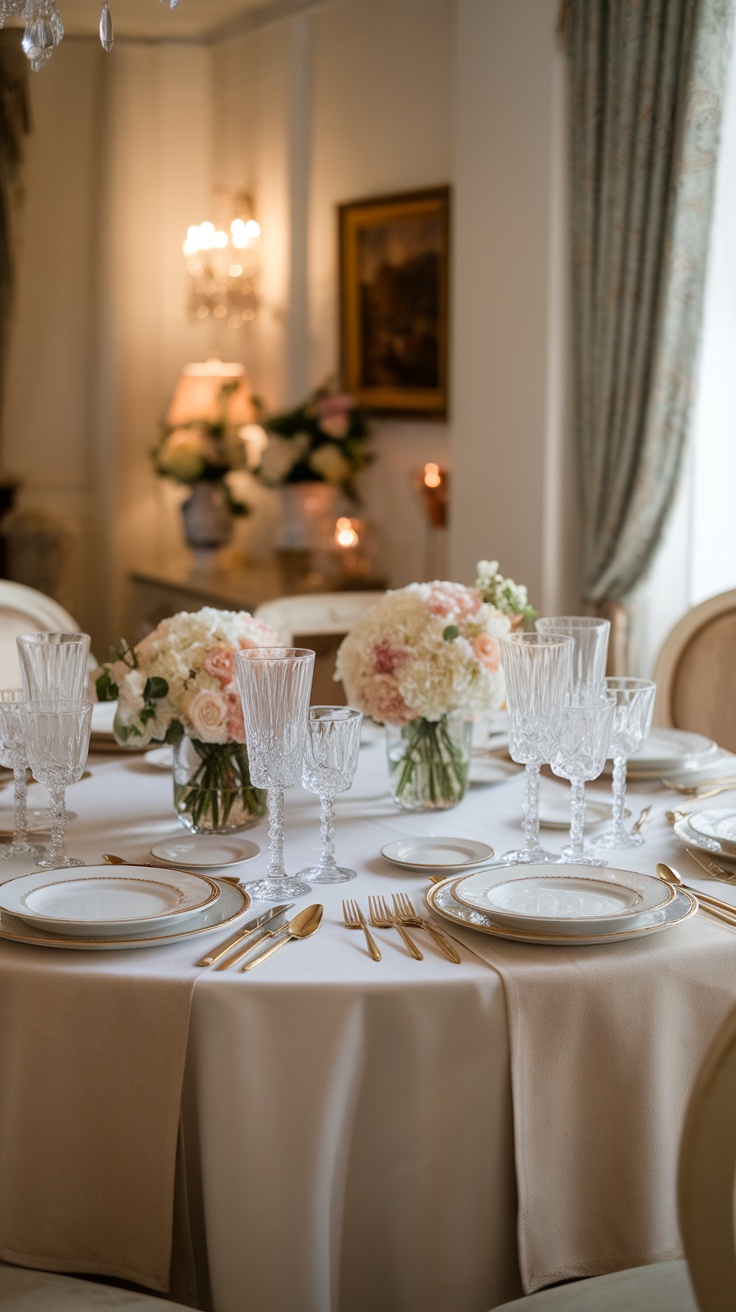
{"x": 429, "y": 761}
{"x": 213, "y": 793}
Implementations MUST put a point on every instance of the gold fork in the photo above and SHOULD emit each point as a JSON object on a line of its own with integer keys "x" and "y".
{"x": 706, "y": 787}
{"x": 353, "y": 918}
{"x": 382, "y": 918}
{"x": 405, "y": 912}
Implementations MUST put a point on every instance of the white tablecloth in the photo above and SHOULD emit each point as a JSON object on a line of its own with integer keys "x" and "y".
{"x": 348, "y": 1124}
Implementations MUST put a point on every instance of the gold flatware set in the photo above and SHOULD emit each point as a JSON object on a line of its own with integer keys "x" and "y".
{"x": 260, "y": 929}
{"x": 400, "y": 916}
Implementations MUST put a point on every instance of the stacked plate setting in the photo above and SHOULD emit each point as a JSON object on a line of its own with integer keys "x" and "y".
{"x": 672, "y": 751}
{"x": 712, "y": 831}
{"x": 574, "y": 907}
{"x": 96, "y": 909}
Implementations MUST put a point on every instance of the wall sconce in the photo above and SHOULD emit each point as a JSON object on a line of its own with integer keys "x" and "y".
{"x": 432, "y": 483}
{"x": 223, "y": 259}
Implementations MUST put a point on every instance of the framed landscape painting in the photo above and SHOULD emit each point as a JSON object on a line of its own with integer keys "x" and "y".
{"x": 393, "y": 301}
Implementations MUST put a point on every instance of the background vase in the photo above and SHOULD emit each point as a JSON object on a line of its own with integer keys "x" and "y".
{"x": 208, "y": 520}
{"x": 213, "y": 793}
{"x": 309, "y": 513}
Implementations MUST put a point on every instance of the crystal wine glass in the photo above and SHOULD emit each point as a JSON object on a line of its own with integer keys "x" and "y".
{"x": 590, "y": 652}
{"x": 537, "y": 670}
{"x": 580, "y": 755}
{"x": 53, "y": 665}
{"x": 275, "y": 683}
{"x": 57, "y": 738}
{"x": 14, "y": 754}
{"x": 330, "y": 762}
{"x": 632, "y": 721}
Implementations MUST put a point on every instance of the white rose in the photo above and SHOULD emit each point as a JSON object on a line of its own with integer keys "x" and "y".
{"x": 280, "y": 456}
{"x": 208, "y": 714}
{"x": 329, "y": 463}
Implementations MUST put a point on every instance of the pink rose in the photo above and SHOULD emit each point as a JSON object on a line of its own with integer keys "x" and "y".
{"x": 388, "y": 659}
{"x": 382, "y": 700}
{"x": 235, "y": 722}
{"x": 337, "y": 404}
{"x": 334, "y": 425}
{"x": 488, "y": 651}
{"x": 220, "y": 663}
{"x": 454, "y": 601}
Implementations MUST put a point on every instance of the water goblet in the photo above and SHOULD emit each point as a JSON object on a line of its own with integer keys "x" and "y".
{"x": 53, "y": 665}
{"x": 57, "y": 738}
{"x": 330, "y": 762}
{"x": 275, "y": 683}
{"x": 537, "y": 670}
{"x": 590, "y": 652}
{"x": 632, "y": 721}
{"x": 14, "y": 754}
{"x": 580, "y": 755}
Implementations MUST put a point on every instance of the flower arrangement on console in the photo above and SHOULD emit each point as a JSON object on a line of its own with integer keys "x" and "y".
{"x": 203, "y": 450}
{"x": 178, "y": 685}
{"x": 423, "y": 661}
{"x": 322, "y": 440}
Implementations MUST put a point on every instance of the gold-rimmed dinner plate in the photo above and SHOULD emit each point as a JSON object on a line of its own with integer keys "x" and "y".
{"x": 440, "y": 899}
{"x": 229, "y": 906}
{"x": 690, "y": 837}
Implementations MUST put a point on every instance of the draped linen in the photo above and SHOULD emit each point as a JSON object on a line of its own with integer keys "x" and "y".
{"x": 15, "y": 123}
{"x": 647, "y": 83}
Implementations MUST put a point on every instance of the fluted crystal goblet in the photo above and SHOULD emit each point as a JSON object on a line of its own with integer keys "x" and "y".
{"x": 275, "y": 683}
{"x": 53, "y": 665}
{"x": 580, "y": 755}
{"x": 330, "y": 762}
{"x": 537, "y": 670}
{"x": 57, "y": 738}
{"x": 590, "y": 651}
{"x": 14, "y": 755}
{"x": 632, "y": 721}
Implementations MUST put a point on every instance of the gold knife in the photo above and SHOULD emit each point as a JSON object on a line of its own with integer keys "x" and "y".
{"x": 242, "y": 933}
{"x": 306, "y": 923}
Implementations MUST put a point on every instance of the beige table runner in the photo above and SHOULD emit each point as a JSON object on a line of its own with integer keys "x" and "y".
{"x": 92, "y": 1051}
{"x": 605, "y": 1045}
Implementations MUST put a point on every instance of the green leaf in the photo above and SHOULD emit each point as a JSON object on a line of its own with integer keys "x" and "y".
{"x": 107, "y": 691}
{"x": 155, "y": 687}
{"x": 451, "y": 632}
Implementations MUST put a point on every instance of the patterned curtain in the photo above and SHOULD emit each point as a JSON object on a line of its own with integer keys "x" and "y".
{"x": 647, "y": 82}
{"x": 15, "y": 123}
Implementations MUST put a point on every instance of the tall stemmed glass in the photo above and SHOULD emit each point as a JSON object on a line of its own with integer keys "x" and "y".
{"x": 537, "y": 670}
{"x": 57, "y": 738}
{"x": 53, "y": 665}
{"x": 590, "y": 652}
{"x": 14, "y": 754}
{"x": 580, "y": 755}
{"x": 330, "y": 762}
{"x": 275, "y": 683}
{"x": 632, "y": 721}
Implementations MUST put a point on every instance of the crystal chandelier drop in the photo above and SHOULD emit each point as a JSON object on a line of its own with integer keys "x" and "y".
{"x": 44, "y": 28}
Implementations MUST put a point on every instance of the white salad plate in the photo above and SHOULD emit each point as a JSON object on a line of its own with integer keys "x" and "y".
{"x": 579, "y": 899}
{"x": 91, "y": 901}
{"x": 691, "y": 838}
{"x": 720, "y": 823}
{"x": 440, "y": 898}
{"x": 554, "y": 812}
{"x": 437, "y": 853}
{"x": 205, "y": 851}
{"x": 232, "y": 903}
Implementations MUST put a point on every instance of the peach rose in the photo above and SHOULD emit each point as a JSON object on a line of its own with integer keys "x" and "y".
{"x": 488, "y": 651}
{"x": 208, "y": 712}
{"x": 453, "y": 601}
{"x": 220, "y": 663}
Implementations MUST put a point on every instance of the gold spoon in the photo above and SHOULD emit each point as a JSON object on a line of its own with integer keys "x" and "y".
{"x": 306, "y": 923}
{"x": 713, "y": 904}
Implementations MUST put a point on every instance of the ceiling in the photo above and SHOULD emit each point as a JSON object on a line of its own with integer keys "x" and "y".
{"x": 154, "y": 19}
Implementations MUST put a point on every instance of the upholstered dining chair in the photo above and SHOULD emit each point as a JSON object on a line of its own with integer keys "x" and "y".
{"x": 696, "y": 672}
{"x": 22, "y": 1290}
{"x": 24, "y": 610}
{"x": 706, "y": 1280}
{"x": 318, "y": 620}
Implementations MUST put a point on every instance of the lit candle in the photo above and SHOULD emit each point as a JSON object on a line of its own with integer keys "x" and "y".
{"x": 432, "y": 475}
{"x": 346, "y": 533}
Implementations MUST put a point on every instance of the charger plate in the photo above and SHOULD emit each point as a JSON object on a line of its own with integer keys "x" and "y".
{"x": 232, "y": 903}
{"x": 572, "y": 899}
{"x": 95, "y": 901}
{"x": 440, "y": 899}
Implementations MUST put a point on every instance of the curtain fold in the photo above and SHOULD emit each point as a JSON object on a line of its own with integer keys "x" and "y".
{"x": 15, "y": 123}
{"x": 647, "y": 82}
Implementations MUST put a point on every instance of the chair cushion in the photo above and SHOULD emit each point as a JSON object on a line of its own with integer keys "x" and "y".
{"x": 664, "y": 1287}
{"x": 22, "y": 1290}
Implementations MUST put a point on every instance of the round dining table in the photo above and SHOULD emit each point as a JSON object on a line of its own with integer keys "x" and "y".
{"x": 348, "y": 1137}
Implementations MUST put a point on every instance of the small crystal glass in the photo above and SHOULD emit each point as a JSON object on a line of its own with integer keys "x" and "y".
{"x": 590, "y": 653}
{"x": 580, "y": 755}
{"x": 632, "y": 721}
{"x": 330, "y": 762}
{"x": 275, "y": 683}
{"x": 57, "y": 737}
{"x": 14, "y": 755}
{"x": 537, "y": 670}
{"x": 53, "y": 665}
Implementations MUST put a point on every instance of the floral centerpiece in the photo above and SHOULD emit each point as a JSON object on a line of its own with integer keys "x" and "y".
{"x": 178, "y": 686}
{"x": 203, "y": 450}
{"x": 423, "y": 661}
{"x": 322, "y": 440}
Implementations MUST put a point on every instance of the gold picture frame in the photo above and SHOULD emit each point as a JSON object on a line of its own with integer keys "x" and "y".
{"x": 394, "y": 260}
